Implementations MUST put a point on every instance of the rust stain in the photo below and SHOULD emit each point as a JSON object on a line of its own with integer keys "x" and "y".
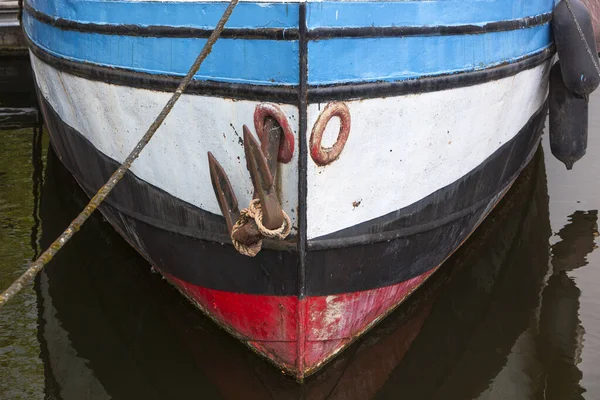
{"x": 324, "y": 156}
{"x": 240, "y": 141}
{"x": 262, "y": 113}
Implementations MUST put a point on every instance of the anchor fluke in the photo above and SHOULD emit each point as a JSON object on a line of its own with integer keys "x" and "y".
{"x": 225, "y": 196}
{"x": 264, "y": 216}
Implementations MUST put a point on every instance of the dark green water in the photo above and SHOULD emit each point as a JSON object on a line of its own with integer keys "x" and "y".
{"x": 513, "y": 315}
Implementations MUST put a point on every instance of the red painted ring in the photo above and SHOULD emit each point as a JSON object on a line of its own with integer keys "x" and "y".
{"x": 323, "y": 156}
{"x": 286, "y": 146}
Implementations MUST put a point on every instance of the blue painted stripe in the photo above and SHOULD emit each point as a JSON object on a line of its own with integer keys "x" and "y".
{"x": 185, "y": 14}
{"x": 340, "y": 14}
{"x": 389, "y": 59}
{"x": 271, "y": 62}
{"x": 285, "y": 15}
{"x": 263, "y": 62}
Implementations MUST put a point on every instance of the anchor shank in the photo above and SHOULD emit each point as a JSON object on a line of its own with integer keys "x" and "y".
{"x": 270, "y": 146}
{"x": 262, "y": 179}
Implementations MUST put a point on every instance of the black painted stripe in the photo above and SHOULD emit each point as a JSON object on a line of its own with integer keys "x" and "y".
{"x": 184, "y": 240}
{"x": 166, "y": 83}
{"x": 285, "y": 34}
{"x": 135, "y": 197}
{"x": 303, "y": 150}
{"x": 173, "y": 235}
{"x": 288, "y": 94}
{"x": 423, "y": 241}
{"x": 442, "y": 30}
{"x": 324, "y": 93}
{"x": 160, "y": 30}
{"x": 444, "y": 206}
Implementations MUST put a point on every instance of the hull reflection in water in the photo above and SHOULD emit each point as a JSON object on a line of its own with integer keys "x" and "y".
{"x": 109, "y": 329}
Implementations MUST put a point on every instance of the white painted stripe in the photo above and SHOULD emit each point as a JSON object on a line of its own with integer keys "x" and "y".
{"x": 401, "y": 149}
{"x": 113, "y": 118}
{"x": 69, "y": 368}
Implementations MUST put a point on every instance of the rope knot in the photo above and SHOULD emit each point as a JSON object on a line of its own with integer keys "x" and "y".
{"x": 254, "y": 212}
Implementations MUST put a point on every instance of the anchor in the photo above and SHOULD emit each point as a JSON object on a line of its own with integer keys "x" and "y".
{"x": 265, "y": 216}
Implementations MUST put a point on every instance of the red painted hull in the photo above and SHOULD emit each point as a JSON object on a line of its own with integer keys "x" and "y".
{"x": 258, "y": 299}
{"x": 298, "y": 335}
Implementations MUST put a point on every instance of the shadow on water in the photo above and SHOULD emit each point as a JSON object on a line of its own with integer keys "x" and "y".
{"x": 18, "y": 103}
{"x": 561, "y": 331}
{"x": 21, "y": 163}
{"x": 500, "y": 320}
{"x": 483, "y": 327}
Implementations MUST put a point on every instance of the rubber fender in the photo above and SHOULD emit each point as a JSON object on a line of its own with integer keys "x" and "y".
{"x": 578, "y": 70}
{"x": 568, "y": 120}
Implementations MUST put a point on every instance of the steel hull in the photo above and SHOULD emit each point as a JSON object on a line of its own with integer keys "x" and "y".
{"x": 434, "y": 143}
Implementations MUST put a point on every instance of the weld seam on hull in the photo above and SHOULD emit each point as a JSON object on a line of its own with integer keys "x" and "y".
{"x": 302, "y": 185}
{"x": 303, "y": 150}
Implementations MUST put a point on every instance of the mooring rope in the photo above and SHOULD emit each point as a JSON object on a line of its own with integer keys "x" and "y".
{"x": 99, "y": 197}
{"x": 582, "y": 36}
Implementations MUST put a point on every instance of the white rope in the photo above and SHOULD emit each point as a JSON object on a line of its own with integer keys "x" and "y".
{"x": 254, "y": 211}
